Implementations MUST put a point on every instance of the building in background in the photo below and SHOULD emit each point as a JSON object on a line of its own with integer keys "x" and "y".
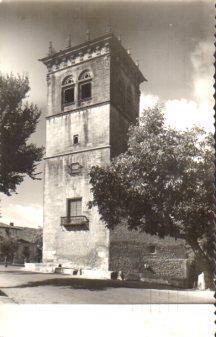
{"x": 93, "y": 96}
{"x": 28, "y": 243}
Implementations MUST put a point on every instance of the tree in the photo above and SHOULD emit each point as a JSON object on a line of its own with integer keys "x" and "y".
{"x": 18, "y": 120}
{"x": 162, "y": 185}
{"x": 8, "y": 247}
{"x": 26, "y": 253}
{"x": 38, "y": 240}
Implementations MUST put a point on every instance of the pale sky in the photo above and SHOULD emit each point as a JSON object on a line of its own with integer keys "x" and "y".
{"x": 173, "y": 42}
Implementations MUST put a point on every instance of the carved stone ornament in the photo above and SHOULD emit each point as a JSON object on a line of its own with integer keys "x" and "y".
{"x": 98, "y": 50}
{"x": 107, "y": 46}
{"x": 89, "y": 52}
{"x": 74, "y": 169}
{"x": 49, "y": 67}
{"x": 106, "y": 62}
{"x": 48, "y": 79}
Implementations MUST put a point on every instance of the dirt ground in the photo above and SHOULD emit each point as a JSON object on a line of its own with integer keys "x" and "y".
{"x": 21, "y": 287}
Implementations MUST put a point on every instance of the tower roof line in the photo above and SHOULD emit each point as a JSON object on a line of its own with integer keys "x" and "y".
{"x": 89, "y": 44}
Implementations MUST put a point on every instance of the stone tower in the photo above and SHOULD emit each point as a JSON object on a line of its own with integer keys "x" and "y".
{"x": 93, "y": 95}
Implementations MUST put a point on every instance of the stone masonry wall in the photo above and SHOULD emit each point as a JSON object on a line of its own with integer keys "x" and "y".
{"x": 118, "y": 132}
{"x": 80, "y": 248}
{"x": 90, "y": 124}
{"x": 134, "y": 252}
{"x": 90, "y": 120}
{"x": 128, "y": 106}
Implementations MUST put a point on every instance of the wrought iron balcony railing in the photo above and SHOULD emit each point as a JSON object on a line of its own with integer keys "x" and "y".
{"x": 75, "y": 222}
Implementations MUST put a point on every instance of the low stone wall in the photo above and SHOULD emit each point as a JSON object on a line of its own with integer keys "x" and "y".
{"x": 151, "y": 267}
{"x": 40, "y": 267}
{"x": 77, "y": 273}
{"x": 148, "y": 257}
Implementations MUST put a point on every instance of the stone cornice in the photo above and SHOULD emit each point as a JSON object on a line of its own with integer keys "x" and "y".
{"x": 69, "y": 64}
{"x": 91, "y": 49}
{"x": 63, "y": 113}
{"x": 78, "y": 151}
{"x": 78, "y": 54}
{"x": 81, "y": 108}
{"x": 79, "y": 48}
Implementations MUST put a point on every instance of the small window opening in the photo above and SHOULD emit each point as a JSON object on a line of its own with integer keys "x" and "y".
{"x": 152, "y": 249}
{"x": 85, "y": 90}
{"x": 68, "y": 95}
{"x": 76, "y": 139}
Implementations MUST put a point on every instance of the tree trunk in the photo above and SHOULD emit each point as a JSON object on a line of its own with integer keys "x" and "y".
{"x": 209, "y": 280}
{"x": 205, "y": 264}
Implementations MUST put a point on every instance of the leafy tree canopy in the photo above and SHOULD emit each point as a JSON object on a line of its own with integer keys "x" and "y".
{"x": 8, "y": 246}
{"x": 18, "y": 120}
{"x": 38, "y": 238}
{"x": 162, "y": 185}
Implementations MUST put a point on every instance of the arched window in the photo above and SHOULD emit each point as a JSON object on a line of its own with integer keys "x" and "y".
{"x": 85, "y": 85}
{"x": 67, "y": 91}
{"x": 68, "y": 80}
{"x": 85, "y": 75}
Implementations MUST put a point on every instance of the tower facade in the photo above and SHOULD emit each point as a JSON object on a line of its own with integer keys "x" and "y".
{"x": 93, "y": 96}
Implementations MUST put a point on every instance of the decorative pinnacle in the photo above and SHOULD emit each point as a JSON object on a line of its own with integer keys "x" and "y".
{"x": 137, "y": 63}
{"x": 88, "y": 35}
{"x": 109, "y": 28}
{"x": 51, "y": 49}
{"x": 128, "y": 51}
{"x": 119, "y": 37}
{"x": 69, "y": 41}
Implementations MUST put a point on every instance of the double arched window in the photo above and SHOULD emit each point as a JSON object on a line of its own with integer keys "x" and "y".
{"x": 68, "y": 90}
{"x": 83, "y": 88}
{"x": 85, "y": 85}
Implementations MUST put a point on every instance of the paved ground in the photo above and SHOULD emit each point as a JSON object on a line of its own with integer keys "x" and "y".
{"x": 27, "y": 287}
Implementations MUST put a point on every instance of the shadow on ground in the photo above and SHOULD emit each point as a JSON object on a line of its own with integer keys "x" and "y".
{"x": 93, "y": 284}
{"x": 2, "y": 293}
{"x": 17, "y": 272}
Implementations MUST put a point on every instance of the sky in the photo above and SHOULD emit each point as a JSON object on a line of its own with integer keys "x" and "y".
{"x": 172, "y": 41}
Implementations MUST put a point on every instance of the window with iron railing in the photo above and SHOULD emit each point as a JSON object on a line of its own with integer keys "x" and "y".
{"x": 74, "y": 219}
{"x": 74, "y": 207}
